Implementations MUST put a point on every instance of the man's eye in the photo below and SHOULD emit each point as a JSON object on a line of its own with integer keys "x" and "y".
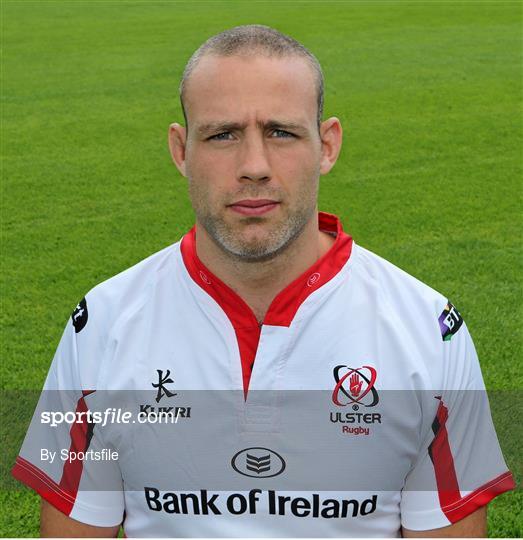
{"x": 280, "y": 133}
{"x": 225, "y": 136}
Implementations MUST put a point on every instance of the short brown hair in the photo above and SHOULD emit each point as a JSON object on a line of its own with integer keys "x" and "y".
{"x": 250, "y": 39}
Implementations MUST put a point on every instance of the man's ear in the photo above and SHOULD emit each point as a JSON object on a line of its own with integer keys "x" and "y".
{"x": 331, "y": 137}
{"x": 177, "y": 142}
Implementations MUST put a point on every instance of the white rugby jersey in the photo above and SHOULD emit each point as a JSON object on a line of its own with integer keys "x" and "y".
{"x": 358, "y": 406}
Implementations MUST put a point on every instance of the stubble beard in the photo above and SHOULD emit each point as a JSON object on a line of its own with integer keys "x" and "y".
{"x": 272, "y": 244}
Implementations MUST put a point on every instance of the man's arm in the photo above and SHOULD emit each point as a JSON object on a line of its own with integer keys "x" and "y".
{"x": 55, "y": 524}
{"x": 472, "y": 526}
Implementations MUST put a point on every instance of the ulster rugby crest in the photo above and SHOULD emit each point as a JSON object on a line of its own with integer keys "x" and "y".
{"x": 355, "y": 387}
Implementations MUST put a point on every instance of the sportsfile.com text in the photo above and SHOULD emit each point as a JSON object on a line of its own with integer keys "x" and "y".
{"x": 110, "y": 415}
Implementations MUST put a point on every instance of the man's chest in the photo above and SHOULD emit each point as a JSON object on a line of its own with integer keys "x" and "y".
{"x": 320, "y": 442}
{"x": 329, "y": 408}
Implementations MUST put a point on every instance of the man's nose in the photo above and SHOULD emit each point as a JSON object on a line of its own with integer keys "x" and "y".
{"x": 254, "y": 161}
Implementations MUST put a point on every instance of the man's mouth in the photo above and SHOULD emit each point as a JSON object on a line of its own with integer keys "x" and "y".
{"x": 254, "y": 207}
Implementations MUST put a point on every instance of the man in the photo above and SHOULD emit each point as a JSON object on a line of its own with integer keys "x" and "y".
{"x": 267, "y": 297}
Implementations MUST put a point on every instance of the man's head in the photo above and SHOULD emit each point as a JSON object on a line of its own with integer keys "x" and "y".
{"x": 254, "y": 145}
{"x": 248, "y": 41}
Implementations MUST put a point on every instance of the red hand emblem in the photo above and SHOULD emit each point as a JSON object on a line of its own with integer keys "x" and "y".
{"x": 355, "y": 385}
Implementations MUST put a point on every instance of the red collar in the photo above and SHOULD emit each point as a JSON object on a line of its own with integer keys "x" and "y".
{"x": 286, "y": 303}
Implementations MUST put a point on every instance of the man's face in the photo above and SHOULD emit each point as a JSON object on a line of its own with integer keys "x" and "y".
{"x": 253, "y": 152}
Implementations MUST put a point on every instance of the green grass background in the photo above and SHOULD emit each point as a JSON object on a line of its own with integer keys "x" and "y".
{"x": 429, "y": 94}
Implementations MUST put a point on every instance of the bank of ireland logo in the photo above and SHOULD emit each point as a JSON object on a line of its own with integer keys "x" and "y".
{"x": 355, "y": 386}
{"x": 258, "y": 462}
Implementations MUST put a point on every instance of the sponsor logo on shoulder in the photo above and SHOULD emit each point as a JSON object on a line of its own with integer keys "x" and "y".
{"x": 450, "y": 322}
{"x": 79, "y": 316}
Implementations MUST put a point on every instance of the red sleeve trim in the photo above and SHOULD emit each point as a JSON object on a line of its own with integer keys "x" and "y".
{"x": 45, "y": 486}
{"x": 81, "y": 434}
{"x": 62, "y": 495}
{"x": 480, "y": 497}
{"x": 443, "y": 461}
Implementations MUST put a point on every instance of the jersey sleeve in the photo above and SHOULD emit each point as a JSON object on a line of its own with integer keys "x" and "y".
{"x": 460, "y": 466}
{"x": 63, "y": 456}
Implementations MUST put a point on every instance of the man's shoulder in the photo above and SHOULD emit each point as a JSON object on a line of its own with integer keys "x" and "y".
{"x": 124, "y": 293}
{"x": 139, "y": 275}
{"x": 397, "y": 289}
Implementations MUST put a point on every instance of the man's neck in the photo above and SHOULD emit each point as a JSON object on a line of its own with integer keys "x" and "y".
{"x": 258, "y": 283}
